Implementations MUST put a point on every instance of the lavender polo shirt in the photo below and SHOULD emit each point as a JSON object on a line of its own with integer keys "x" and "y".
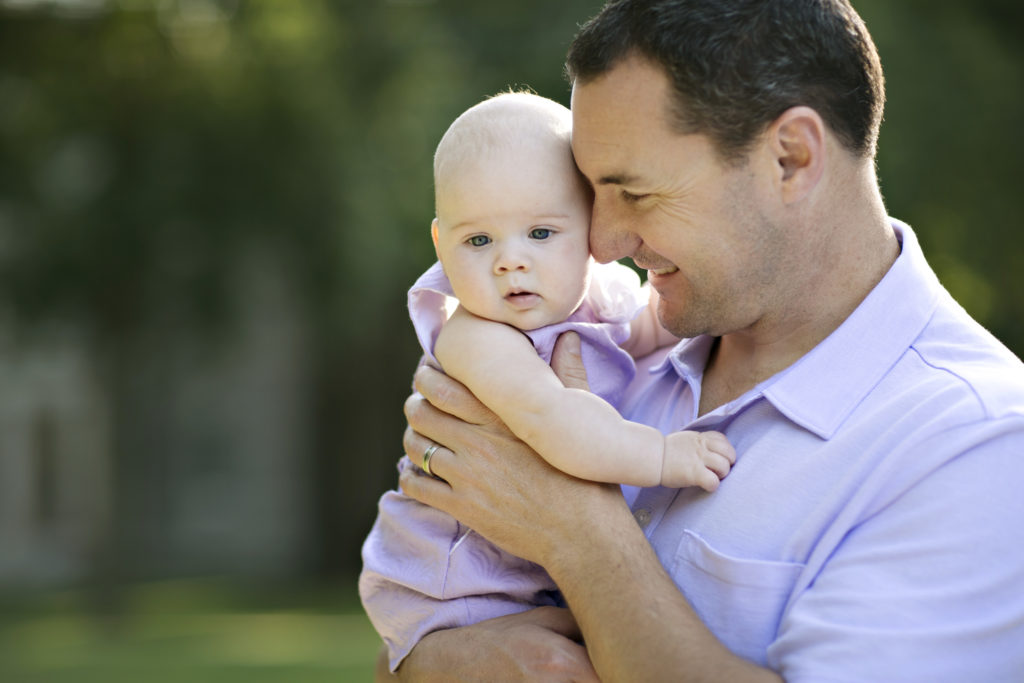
{"x": 873, "y": 526}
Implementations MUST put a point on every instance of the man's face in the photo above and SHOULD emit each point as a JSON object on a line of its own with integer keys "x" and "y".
{"x": 666, "y": 200}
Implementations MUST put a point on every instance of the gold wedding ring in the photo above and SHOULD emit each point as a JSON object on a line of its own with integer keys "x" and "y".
{"x": 427, "y": 454}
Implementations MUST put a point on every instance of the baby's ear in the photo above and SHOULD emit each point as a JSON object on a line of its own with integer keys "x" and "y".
{"x": 433, "y": 232}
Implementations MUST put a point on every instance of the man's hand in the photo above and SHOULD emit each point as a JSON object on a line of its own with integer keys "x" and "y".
{"x": 490, "y": 480}
{"x": 567, "y": 361}
{"x": 537, "y": 645}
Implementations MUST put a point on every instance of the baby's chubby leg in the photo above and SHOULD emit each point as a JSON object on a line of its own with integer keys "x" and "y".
{"x": 696, "y": 459}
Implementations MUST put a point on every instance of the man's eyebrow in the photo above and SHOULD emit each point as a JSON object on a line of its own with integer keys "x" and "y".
{"x": 617, "y": 179}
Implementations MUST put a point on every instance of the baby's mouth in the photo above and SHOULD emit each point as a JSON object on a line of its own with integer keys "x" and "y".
{"x": 521, "y": 298}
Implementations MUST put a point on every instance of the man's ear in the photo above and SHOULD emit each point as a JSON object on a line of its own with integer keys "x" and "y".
{"x": 433, "y": 232}
{"x": 797, "y": 140}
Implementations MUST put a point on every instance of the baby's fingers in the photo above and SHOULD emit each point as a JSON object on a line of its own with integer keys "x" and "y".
{"x": 715, "y": 442}
{"x": 707, "y": 480}
{"x": 718, "y": 464}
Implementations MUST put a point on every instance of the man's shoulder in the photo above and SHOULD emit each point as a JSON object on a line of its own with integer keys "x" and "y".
{"x": 960, "y": 355}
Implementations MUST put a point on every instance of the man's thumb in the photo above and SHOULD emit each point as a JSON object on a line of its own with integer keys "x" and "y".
{"x": 567, "y": 361}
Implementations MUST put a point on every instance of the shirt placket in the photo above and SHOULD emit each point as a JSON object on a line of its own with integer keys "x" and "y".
{"x": 651, "y": 504}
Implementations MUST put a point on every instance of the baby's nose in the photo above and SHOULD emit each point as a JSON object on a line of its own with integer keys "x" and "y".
{"x": 510, "y": 260}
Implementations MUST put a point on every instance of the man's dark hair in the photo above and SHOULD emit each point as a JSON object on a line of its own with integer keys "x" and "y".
{"x": 736, "y": 65}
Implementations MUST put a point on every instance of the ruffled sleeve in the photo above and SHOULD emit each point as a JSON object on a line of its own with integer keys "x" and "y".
{"x": 431, "y": 301}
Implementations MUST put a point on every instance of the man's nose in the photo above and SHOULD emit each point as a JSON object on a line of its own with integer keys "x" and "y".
{"x": 610, "y": 240}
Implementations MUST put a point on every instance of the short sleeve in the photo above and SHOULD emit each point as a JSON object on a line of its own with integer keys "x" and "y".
{"x": 928, "y": 588}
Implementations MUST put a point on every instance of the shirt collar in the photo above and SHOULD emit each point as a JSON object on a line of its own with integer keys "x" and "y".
{"x": 822, "y": 389}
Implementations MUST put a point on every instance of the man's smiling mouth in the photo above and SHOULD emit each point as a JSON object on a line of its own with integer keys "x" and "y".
{"x": 662, "y": 271}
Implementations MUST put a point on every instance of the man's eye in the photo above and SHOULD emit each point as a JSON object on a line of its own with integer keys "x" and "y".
{"x": 540, "y": 233}
{"x": 479, "y": 240}
{"x": 631, "y": 198}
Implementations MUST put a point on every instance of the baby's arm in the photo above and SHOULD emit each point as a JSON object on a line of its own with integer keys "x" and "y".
{"x": 572, "y": 429}
{"x": 646, "y": 334}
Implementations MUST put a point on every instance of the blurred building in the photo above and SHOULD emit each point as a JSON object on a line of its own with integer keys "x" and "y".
{"x": 206, "y": 472}
{"x": 54, "y": 463}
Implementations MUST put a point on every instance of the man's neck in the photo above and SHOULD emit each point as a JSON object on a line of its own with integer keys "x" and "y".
{"x": 738, "y": 363}
{"x": 741, "y": 360}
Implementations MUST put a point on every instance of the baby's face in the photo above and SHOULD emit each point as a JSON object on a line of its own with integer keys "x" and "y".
{"x": 512, "y": 235}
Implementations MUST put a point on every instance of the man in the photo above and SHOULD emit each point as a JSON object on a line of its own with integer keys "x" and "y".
{"x": 870, "y": 529}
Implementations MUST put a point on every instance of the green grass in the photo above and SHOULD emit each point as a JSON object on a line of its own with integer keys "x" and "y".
{"x": 195, "y": 631}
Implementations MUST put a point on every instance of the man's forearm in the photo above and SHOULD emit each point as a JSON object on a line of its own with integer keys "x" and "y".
{"x": 538, "y": 646}
{"x": 632, "y": 615}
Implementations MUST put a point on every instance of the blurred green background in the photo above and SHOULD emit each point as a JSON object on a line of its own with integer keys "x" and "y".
{"x": 210, "y": 211}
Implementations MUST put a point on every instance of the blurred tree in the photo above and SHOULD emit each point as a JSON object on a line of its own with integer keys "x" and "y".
{"x": 951, "y": 144}
{"x": 149, "y": 149}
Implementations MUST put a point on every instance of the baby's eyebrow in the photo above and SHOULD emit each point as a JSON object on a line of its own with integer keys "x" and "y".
{"x": 463, "y": 224}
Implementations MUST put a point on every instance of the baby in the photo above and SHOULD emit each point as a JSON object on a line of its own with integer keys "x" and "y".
{"x": 514, "y": 272}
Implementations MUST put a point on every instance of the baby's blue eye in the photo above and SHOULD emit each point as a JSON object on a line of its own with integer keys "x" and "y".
{"x": 479, "y": 240}
{"x": 540, "y": 233}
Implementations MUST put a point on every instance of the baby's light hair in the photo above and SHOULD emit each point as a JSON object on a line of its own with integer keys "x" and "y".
{"x": 505, "y": 120}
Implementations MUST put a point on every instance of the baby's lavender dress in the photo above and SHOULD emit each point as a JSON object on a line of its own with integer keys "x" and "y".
{"x": 422, "y": 570}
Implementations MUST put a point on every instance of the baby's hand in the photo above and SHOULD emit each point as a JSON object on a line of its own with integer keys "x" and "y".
{"x": 696, "y": 459}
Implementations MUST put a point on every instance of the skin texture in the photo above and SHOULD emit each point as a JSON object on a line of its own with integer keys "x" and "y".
{"x": 769, "y": 256}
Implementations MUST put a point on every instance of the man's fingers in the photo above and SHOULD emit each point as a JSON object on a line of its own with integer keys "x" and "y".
{"x": 450, "y": 396}
{"x": 428, "y": 490}
{"x": 567, "y": 361}
{"x": 415, "y": 446}
{"x": 557, "y": 619}
{"x": 424, "y": 418}
{"x": 419, "y": 448}
{"x": 438, "y": 414}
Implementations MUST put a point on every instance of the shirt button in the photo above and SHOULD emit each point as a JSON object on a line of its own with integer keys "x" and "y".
{"x": 642, "y": 517}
